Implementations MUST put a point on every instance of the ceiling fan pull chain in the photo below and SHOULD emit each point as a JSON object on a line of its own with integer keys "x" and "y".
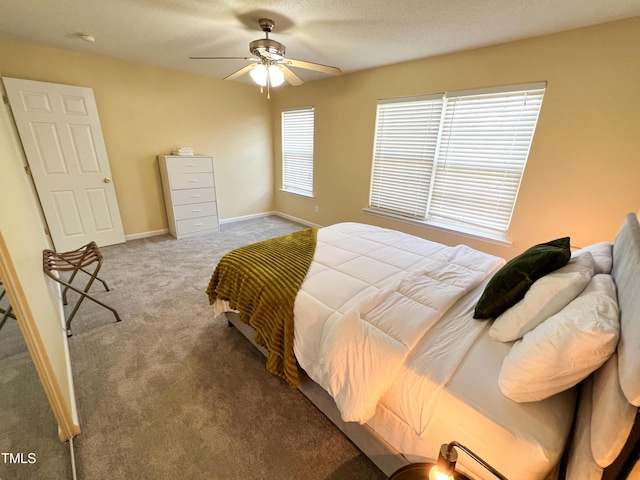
{"x": 268, "y": 87}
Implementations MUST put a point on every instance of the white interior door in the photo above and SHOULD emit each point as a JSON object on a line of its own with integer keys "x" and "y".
{"x": 62, "y": 139}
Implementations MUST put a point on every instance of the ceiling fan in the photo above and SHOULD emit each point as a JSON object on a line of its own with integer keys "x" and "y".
{"x": 270, "y": 68}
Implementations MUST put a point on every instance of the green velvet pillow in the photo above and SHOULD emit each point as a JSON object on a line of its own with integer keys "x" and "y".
{"x": 511, "y": 282}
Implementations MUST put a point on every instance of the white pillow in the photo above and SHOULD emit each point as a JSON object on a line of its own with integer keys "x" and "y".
{"x": 602, "y": 255}
{"x": 547, "y": 296}
{"x": 565, "y": 348}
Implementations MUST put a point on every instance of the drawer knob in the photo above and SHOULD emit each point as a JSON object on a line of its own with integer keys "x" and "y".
{"x": 198, "y": 224}
{"x": 193, "y": 180}
{"x": 195, "y": 196}
{"x": 196, "y": 210}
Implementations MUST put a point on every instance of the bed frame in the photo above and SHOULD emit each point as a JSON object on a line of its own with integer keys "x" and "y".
{"x": 388, "y": 460}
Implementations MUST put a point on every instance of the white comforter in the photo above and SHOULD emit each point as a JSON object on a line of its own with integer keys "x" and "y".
{"x": 370, "y": 295}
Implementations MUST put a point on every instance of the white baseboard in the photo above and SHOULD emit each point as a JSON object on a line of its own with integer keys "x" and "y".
{"x": 268, "y": 214}
{"x": 246, "y": 217}
{"x": 295, "y": 219}
{"x": 153, "y": 233}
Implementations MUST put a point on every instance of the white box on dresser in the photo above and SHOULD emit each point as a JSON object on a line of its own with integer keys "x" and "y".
{"x": 189, "y": 190}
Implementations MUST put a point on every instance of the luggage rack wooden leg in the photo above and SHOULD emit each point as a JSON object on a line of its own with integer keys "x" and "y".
{"x": 75, "y": 261}
{"x": 5, "y": 313}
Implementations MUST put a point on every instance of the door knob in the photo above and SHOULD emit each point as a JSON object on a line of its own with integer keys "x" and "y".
{"x": 106, "y": 180}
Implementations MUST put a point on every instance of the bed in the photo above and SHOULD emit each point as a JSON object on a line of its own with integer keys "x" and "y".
{"x": 385, "y": 343}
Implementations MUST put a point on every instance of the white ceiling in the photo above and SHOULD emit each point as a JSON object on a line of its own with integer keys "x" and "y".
{"x": 350, "y": 34}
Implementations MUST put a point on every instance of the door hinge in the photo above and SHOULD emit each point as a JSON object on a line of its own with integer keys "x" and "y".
{"x": 5, "y": 99}
{"x": 46, "y": 231}
{"x": 27, "y": 169}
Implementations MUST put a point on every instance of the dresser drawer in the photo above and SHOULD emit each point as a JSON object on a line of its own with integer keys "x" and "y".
{"x": 191, "y": 180}
{"x": 197, "y": 224}
{"x": 189, "y": 165}
{"x": 194, "y": 210}
{"x": 194, "y": 195}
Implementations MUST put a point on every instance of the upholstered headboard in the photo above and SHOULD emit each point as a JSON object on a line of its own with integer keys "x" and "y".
{"x": 609, "y": 399}
{"x": 626, "y": 273}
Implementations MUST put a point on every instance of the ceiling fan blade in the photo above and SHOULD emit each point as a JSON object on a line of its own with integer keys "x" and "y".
{"x": 222, "y": 58}
{"x": 312, "y": 66}
{"x": 240, "y": 72}
{"x": 291, "y": 77}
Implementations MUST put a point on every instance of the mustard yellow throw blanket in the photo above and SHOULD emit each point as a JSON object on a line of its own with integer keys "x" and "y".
{"x": 261, "y": 281}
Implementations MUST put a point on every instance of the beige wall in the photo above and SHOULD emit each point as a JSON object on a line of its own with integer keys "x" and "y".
{"x": 580, "y": 180}
{"x": 146, "y": 110}
{"x": 583, "y": 172}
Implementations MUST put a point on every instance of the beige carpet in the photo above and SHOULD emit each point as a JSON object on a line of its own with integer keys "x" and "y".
{"x": 171, "y": 392}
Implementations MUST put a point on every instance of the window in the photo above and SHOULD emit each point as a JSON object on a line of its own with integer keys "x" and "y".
{"x": 455, "y": 159}
{"x": 297, "y": 151}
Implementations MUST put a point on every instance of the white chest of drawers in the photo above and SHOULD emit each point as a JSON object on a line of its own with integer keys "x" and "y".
{"x": 189, "y": 190}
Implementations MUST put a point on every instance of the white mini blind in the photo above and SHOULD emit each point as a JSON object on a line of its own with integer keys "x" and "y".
{"x": 456, "y": 159}
{"x": 404, "y": 150}
{"x": 297, "y": 151}
{"x": 484, "y": 148}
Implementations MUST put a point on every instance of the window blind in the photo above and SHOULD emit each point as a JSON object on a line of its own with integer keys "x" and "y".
{"x": 297, "y": 151}
{"x": 484, "y": 148}
{"x": 455, "y": 159}
{"x": 405, "y": 144}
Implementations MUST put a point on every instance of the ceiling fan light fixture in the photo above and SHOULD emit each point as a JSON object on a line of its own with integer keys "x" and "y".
{"x": 276, "y": 77}
{"x": 259, "y": 74}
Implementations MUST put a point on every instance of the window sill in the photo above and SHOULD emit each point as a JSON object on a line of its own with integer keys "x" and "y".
{"x": 446, "y": 229}
{"x": 298, "y": 193}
